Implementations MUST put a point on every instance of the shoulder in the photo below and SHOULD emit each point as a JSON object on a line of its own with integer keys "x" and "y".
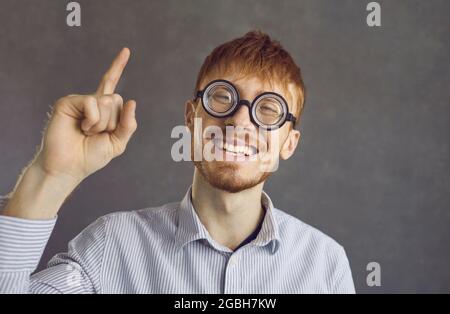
{"x": 164, "y": 216}
{"x": 125, "y": 225}
{"x": 304, "y": 240}
{"x": 315, "y": 252}
{"x": 293, "y": 229}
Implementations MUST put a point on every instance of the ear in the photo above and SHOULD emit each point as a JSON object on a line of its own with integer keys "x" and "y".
{"x": 189, "y": 114}
{"x": 289, "y": 145}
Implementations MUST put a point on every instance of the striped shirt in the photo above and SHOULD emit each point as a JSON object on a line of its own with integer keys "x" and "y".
{"x": 168, "y": 250}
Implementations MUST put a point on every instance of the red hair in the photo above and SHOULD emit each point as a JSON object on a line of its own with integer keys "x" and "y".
{"x": 256, "y": 54}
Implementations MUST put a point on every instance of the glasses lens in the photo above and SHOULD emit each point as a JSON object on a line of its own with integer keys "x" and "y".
{"x": 269, "y": 111}
{"x": 220, "y": 99}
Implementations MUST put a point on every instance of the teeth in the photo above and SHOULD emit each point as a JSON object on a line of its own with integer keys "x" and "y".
{"x": 236, "y": 149}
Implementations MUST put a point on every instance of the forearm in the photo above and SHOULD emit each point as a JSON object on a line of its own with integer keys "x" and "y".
{"x": 26, "y": 222}
{"x": 38, "y": 195}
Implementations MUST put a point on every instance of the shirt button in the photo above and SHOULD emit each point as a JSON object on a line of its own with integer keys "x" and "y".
{"x": 233, "y": 261}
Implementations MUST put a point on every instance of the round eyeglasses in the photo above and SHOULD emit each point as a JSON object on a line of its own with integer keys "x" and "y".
{"x": 268, "y": 110}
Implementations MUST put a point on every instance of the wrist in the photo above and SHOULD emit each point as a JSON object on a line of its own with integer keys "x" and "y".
{"x": 38, "y": 194}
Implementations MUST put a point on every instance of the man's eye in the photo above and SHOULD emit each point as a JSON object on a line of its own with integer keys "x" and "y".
{"x": 268, "y": 110}
{"x": 222, "y": 98}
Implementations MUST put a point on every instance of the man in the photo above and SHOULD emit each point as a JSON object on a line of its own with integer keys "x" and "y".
{"x": 225, "y": 236}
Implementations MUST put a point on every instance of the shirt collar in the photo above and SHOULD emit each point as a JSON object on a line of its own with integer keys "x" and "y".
{"x": 190, "y": 228}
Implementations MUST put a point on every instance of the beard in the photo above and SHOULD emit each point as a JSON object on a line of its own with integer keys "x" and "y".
{"x": 226, "y": 176}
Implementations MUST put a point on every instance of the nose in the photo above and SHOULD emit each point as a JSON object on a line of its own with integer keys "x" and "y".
{"x": 241, "y": 118}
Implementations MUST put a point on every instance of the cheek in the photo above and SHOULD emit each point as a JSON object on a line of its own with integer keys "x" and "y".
{"x": 207, "y": 120}
{"x": 275, "y": 141}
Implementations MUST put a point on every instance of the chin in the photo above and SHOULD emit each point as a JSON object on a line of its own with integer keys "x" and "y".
{"x": 230, "y": 176}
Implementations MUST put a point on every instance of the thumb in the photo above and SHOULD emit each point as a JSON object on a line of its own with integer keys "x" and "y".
{"x": 127, "y": 123}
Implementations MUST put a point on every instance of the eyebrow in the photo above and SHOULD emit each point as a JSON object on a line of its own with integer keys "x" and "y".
{"x": 260, "y": 91}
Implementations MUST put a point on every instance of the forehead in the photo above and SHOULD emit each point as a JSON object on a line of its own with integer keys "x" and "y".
{"x": 251, "y": 86}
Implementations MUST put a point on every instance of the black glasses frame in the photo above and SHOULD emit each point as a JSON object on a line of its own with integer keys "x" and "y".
{"x": 240, "y": 102}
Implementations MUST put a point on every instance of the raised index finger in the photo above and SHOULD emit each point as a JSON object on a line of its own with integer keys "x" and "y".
{"x": 112, "y": 76}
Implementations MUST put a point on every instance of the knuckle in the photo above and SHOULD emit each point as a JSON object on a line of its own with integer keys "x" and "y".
{"x": 63, "y": 101}
{"x": 90, "y": 100}
{"x": 117, "y": 99}
{"x": 59, "y": 105}
{"x": 105, "y": 101}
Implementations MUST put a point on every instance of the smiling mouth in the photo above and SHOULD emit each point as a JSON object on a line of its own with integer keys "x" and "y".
{"x": 234, "y": 149}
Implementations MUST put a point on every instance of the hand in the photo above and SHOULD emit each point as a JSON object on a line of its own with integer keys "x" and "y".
{"x": 86, "y": 132}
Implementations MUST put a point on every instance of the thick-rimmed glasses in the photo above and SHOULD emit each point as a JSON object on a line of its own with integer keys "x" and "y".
{"x": 268, "y": 110}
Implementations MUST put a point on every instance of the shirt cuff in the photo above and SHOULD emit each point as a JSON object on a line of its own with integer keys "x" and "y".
{"x": 22, "y": 242}
{"x": 3, "y": 200}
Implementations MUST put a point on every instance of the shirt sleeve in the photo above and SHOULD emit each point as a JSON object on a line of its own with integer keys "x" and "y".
{"x": 343, "y": 280}
{"x": 22, "y": 242}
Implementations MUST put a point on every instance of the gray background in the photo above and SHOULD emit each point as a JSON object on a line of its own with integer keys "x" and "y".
{"x": 373, "y": 167}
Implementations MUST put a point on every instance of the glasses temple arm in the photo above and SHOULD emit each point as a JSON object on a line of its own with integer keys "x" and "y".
{"x": 290, "y": 117}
